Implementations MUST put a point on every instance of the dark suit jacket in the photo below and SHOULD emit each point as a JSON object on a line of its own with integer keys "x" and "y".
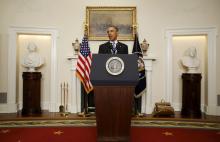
{"x": 106, "y": 48}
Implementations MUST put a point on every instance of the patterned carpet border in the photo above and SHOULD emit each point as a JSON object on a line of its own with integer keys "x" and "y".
{"x": 177, "y": 124}
{"x": 92, "y": 123}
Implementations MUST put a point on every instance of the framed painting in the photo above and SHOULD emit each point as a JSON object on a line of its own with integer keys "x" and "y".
{"x": 98, "y": 19}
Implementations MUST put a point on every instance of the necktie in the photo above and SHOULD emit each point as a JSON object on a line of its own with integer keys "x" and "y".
{"x": 114, "y": 50}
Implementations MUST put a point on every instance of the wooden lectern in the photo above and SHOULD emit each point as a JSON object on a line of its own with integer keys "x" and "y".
{"x": 113, "y": 97}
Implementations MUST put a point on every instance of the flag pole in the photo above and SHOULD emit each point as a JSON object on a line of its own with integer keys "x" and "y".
{"x": 134, "y": 26}
{"x": 86, "y": 29}
{"x": 85, "y": 95}
{"x": 137, "y": 100}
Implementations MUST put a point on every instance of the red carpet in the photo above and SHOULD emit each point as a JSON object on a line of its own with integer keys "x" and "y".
{"x": 88, "y": 134}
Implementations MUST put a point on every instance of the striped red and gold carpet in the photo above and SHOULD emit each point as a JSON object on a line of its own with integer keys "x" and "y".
{"x": 85, "y": 131}
{"x": 88, "y": 134}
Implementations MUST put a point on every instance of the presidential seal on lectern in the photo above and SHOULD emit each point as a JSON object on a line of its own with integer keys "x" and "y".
{"x": 115, "y": 65}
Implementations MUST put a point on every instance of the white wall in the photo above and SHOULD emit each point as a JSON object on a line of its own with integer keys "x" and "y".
{"x": 153, "y": 17}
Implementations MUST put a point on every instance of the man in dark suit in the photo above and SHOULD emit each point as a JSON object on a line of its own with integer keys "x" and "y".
{"x": 113, "y": 46}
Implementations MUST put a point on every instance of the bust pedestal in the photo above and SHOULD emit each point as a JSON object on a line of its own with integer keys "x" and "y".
{"x": 31, "y": 93}
{"x": 191, "y": 99}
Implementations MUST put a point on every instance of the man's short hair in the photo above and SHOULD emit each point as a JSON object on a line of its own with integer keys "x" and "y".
{"x": 115, "y": 27}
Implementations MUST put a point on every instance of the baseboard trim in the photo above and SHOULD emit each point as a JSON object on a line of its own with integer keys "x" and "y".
{"x": 8, "y": 108}
{"x": 178, "y": 106}
{"x": 213, "y": 110}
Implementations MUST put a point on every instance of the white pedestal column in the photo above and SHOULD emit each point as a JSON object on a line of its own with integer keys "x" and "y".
{"x": 75, "y": 104}
{"x": 147, "y": 106}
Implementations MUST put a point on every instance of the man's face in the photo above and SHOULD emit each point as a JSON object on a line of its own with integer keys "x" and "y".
{"x": 112, "y": 33}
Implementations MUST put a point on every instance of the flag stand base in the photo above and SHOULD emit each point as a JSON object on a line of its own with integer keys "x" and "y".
{"x": 140, "y": 115}
{"x": 83, "y": 114}
{"x": 65, "y": 114}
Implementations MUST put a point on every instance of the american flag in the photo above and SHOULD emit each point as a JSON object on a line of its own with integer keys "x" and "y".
{"x": 83, "y": 67}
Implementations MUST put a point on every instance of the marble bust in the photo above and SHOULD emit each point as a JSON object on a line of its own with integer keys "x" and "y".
{"x": 32, "y": 60}
{"x": 190, "y": 61}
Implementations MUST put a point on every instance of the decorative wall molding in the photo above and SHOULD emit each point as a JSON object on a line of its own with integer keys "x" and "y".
{"x": 75, "y": 104}
{"x": 211, "y": 33}
{"x": 12, "y": 51}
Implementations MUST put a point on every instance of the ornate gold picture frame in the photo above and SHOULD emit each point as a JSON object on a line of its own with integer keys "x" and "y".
{"x": 99, "y": 18}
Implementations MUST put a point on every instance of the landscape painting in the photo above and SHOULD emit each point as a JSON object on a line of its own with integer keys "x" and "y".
{"x": 100, "y": 18}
